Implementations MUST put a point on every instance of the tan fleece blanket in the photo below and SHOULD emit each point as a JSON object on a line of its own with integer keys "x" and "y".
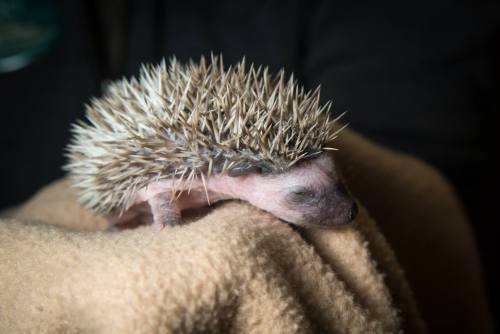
{"x": 238, "y": 269}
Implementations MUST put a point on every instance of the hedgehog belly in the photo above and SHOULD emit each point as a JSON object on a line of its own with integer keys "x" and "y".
{"x": 187, "y": 196}
{"x": 159, "y": 204}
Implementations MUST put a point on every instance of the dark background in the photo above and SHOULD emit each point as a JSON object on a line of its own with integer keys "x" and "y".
{"x": 418, "y": 76}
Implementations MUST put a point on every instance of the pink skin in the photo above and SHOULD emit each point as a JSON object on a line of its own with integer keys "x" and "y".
{"x": 309, "y": 194}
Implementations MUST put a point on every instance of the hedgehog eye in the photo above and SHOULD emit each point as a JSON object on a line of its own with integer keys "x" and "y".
{"x": 302, "y": 192}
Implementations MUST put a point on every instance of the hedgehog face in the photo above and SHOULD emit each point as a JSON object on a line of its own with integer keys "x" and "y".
{"x": 309, "y": 194}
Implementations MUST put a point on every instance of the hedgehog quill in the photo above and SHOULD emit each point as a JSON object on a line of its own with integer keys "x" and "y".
{"x": 188, "y": 135}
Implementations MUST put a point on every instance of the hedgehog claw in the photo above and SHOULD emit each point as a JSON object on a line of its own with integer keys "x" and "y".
{"x": 160, "y": 225}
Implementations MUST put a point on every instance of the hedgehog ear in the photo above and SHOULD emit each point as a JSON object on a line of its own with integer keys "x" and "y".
{"x": 265, "y": 167}
{"x": 243, "y": 168}
{"x": 247, "y": 167}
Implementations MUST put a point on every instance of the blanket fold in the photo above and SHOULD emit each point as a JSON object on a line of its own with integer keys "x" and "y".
{"x": 237, "y": 269}
{"x": 231, "y": 269}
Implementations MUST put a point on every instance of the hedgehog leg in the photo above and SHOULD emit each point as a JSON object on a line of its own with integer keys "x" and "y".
{"x": 165, "y": 211}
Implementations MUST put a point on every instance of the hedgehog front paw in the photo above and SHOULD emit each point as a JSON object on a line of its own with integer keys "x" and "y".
{"x": 165, "y": 212}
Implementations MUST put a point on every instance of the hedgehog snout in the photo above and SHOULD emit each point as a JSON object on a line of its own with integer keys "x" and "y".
{"x": 339, "y": 205}
{"x": 324, "y": 207}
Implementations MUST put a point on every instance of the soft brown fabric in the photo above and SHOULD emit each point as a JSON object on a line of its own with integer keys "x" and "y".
{"x": 421, "y": 217}
{"x": 238, "y": 269}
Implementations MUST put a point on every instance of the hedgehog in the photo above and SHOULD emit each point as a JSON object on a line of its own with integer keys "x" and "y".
{"x": 182, "y": 136}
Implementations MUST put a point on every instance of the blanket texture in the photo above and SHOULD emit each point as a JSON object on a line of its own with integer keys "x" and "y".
{"x": 237, "y": 269}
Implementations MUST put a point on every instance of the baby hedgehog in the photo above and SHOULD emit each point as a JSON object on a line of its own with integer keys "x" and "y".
{"x": 184, "y": 136}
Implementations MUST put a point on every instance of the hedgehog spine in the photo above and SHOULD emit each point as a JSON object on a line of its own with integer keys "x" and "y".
{"x": 189, "y": 121}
